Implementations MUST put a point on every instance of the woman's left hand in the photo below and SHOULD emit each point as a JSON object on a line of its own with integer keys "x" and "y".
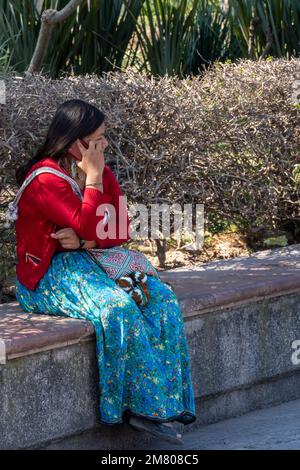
{"x": 68, "y": 238}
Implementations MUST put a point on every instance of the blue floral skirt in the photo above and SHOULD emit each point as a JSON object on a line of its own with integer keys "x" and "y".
{"x": 142, "y": 351}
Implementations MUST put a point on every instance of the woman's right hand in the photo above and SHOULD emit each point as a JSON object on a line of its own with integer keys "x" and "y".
{"x": 92, "y": 162}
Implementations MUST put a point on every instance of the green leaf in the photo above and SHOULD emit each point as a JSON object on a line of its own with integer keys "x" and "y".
{"x": 276, "y": 241}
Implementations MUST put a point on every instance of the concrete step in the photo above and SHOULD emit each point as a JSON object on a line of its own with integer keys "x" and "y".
{"x": 243, "y": 328}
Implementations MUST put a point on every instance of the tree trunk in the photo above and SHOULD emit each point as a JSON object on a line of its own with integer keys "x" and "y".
{"x": 269, "y": 44}
{"x": 255, "y": 21}
{"x": 161, "y": 246}
{"x": 49, "y": 19}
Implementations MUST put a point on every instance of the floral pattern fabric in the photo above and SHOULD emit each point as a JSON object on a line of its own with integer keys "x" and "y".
{"x": 142, "y": 351}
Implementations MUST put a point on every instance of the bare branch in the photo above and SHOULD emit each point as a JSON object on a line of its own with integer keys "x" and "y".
{"x": 49, "y": 18}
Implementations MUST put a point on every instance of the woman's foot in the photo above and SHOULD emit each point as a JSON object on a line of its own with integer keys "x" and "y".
{"x": 163, "y": 430}
{"x": 172, "y": 426}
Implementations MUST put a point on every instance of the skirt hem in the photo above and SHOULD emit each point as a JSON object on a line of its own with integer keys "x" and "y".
{"x": 191, "y": 418}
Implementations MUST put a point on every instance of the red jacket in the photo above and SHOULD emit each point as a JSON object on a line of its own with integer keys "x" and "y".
{"x": 49, "y": 204}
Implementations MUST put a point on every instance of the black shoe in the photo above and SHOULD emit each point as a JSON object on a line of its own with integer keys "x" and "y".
{"x": 157, "y": 429}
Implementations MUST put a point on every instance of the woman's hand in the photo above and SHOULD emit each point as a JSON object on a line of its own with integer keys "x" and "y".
{"x": 68, "y": 238}
{"x": 92, "y": 162}
{"x": 90, "y": 244}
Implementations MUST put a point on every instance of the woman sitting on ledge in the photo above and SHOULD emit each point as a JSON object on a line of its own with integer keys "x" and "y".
{"x": 142, "y": 351}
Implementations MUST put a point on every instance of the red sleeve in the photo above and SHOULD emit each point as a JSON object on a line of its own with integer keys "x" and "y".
{"x": 55, "y": 198}
{"x": 116, "y": 193}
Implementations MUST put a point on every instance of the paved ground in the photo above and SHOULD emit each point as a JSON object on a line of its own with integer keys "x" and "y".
{"x": 271, "y": 428}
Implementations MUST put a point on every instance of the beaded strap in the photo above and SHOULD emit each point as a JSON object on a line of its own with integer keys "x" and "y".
{"x": 11, "y": 214}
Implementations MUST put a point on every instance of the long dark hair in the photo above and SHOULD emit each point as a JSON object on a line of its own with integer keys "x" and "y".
{"x": 74, "y": 119}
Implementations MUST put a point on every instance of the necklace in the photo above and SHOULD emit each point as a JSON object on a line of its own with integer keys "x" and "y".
{"x": 76, "y": 173}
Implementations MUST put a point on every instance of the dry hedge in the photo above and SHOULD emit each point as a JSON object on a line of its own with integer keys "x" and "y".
{"x": 229, "y": 140}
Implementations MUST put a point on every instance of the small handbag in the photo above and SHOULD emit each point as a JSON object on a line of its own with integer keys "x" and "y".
{"x": 128, "y": 268}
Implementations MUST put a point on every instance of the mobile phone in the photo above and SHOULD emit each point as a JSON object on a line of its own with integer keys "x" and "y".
{"x": 74, "y": 149}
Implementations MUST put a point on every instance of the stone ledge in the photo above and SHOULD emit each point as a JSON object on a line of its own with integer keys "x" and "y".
{"x": 23, "y": 333}
{"x": 201, "y": 289}
{"x": 229, "y": 283}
